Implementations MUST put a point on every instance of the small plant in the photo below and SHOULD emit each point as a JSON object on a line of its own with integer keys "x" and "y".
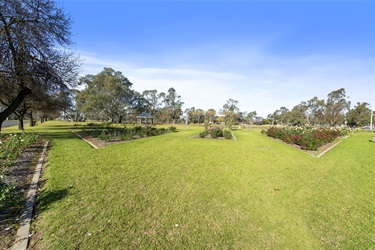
{"x": 11, "y": 145}
{"x": 203, "y": 134}
{"x": 227, "y": 134}
{"x": 8, "y": 194}
{"x": 172, "y": 128}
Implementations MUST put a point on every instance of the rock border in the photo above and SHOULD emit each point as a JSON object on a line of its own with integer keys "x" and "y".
{"x": 87, "y": 141}
{"x": 328, "y": 149}
{"x": 22, "y": 238}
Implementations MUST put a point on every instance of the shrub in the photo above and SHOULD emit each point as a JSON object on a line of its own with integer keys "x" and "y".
{"x": 172, "y": 128}
{"x": 216, "y": 132}
{"x": 203, "y": 134}
{"x": 227, "y": 134}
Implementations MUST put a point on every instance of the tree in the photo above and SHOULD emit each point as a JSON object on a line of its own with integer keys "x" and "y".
{"x": 360, "y": 115}
{"x": 336, "y": 106}
{"x": 106, "y": 95}
{"x": 173, "y": 105}
{"x": 315, "y": 111}
{"x": 285, "y": 115}
{"x": 152, "y": 100}
{"x": 34, "y": 36}
{"x": 298, "y": 114}
{"x": 208, "y": 117}
{"x": 251, "y": 117}
{"x": 230, "y": 110}
{"x": 190, "y": 113}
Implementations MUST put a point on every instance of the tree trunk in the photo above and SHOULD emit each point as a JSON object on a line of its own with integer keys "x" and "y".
{"x": 120, "y": 119}
{"x": 31, "y": 120}
{"x": 14, "y": 105}
{"x": 20, "y": 122}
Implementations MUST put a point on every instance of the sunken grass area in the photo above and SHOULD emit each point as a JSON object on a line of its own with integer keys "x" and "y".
{"x": 176, "y": 192}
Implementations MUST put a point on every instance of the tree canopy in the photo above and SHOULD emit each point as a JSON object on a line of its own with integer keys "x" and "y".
{"x": 106, "y": 95}
{"x": 34, "y": 40}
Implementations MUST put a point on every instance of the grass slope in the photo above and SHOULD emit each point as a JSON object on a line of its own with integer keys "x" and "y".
{"x": 173, "y": 192}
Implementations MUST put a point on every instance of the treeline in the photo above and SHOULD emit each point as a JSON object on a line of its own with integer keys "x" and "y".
{"x": 108, "y": 96}
{"x": 333, "y": 111}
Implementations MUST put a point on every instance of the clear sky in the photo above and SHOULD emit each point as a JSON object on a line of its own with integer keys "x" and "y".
{"x": 265, "y": 54}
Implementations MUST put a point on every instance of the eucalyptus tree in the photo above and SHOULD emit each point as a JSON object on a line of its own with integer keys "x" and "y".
{"x": 360, "y": 115}
{"x": 172, "y": 105}
{"x": 315, "y": 111}
{"x": 209, "y": 117}
{"x": 251, "y": 116}
{"x": 152, "y": 101}
{"x": 34, "y": 41}
{"x": 336, "y": 107}
{"x": 230, "y": 110}
{"x": 190, "y": 113}
{"x": 298, "y": 114}
{"x": 106, "y": 95}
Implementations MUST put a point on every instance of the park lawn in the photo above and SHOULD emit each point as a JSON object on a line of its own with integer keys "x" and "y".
{"x": 174, "y": 192}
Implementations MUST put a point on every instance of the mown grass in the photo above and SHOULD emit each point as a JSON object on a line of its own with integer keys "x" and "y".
{"x": 177, "y": 192}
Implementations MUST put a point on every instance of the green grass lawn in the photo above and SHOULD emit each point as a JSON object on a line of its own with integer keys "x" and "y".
{"x": 177, "y": 192}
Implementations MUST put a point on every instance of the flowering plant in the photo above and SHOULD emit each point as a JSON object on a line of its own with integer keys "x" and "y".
{"x": 308, "y": 137}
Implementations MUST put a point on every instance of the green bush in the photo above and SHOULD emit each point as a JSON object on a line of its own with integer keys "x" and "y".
{"x": 227, "y": 134}
{"x": 203, "y": 134}
{"x": 172, "y": 128}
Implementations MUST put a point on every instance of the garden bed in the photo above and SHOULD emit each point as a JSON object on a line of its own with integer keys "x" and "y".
{"x": 19, "y": 175}
{"x": 216, "y": 133}
{"x": 308, "y": 138}
{"x": 101, "y": 136}
{"x": 317, "y": 153}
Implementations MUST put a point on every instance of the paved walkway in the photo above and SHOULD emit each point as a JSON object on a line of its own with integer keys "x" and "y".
{"x": 11, "y": 123}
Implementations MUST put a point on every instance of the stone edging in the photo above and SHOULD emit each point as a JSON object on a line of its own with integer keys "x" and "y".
{"x": 87, "y": 141}
{"x": 233, "y": 135}
{"x": 328, "y": 149}
{"x": 22, "y": 238}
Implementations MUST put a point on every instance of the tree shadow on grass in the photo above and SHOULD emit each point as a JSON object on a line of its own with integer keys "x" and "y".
{"x": 58, "y": 135}
{"x": 47, "y": 198}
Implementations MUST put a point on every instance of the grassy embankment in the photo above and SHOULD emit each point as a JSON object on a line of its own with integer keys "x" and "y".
{"x": 173, "y": 192}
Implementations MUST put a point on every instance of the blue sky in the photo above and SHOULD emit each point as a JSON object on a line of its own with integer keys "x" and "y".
{"x": 265, "y": 54}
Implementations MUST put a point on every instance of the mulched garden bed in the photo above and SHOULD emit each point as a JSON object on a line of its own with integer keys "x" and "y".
{"x": 209, "y": 137}
{"x": 98, "y": 142}
{"x": 19, "y": 175}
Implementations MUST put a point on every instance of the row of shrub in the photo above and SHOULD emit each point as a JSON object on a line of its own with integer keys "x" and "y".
{"x": 308, "y": 137}
{"x": 216, "y": 132}
{"x": 112, "y": 133}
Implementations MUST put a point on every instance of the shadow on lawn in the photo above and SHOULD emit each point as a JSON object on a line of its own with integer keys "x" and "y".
{"x": 47, "y": 198}
{"x": 58, "y": 135}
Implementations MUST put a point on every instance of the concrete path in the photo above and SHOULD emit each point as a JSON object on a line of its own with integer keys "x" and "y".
{"x": 11, "y": 123}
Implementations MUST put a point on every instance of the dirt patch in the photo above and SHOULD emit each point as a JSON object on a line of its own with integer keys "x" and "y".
{"x": 19, "y": 175}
